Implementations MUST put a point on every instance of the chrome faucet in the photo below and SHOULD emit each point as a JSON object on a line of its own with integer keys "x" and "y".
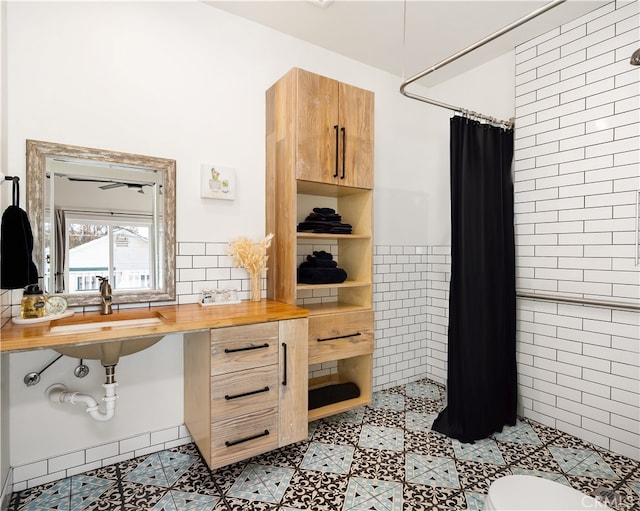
{"x": 105, "y": 294}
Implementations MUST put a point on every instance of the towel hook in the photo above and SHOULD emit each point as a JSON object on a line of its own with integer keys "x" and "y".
{"x": 15, "y": 192}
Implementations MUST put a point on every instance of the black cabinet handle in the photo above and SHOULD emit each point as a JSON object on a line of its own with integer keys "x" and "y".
{"x": 344, "y": 150}
{"x": 245, "y": 394}
{"x": 284, "y": 350}
{"x": 235, "y": 350}
{"x": 336, "y": 128}
{"x": 236, "y": 442}
{"x": 339, "y": 337}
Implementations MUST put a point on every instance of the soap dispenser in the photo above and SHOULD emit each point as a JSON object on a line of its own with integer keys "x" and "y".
{"x": 32, "y": 304}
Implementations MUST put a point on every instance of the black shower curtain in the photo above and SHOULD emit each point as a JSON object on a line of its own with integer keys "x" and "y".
{"x": 481, "y": 377}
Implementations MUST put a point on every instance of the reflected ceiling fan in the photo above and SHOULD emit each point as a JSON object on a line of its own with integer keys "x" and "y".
{"x": 111, "y": 184}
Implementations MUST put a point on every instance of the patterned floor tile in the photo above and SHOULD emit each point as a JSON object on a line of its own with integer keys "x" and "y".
{"x": 477, "y": 477}
{"x": 261, "y": 483}
{"x": 532, "y": 457}
{"x": 375, "y": 437}
{"x": 521, "y": 433}
{"x": 377, "y": 464}
{"x": 161, "y": 469}
{"x": 482, "y": 451}
{"x": 475, "y": 501}
{"x": 581, "y": 462}
{"x": 127, "y": 494}
{"x": 378, "y": 457}
{"x": 426, "y": 390}
{"x": 181, "y": 501}
{"x": 431, "y": 471}
{"x": 418, "y": 497}
{"x": 434, "y": 443}
{"x": 352, "y": 416}
{"x": 388, "y": 400}
{"x": 373, "y": 495}
{"x": 551, "y": 476}
{"x": 328, "y": 458}
{"x": 310, "y": 490}
{"x": 384, "y": 417}
{"x": 424, "y": 405}
{"x": 341, "y": 433}
{"x": 288, "y": 456}
{"x": 417, "y": 421}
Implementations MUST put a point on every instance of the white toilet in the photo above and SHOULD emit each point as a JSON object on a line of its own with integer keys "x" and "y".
{"x": 520, "y": 492}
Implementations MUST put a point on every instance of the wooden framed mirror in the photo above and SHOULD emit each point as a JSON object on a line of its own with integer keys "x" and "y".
{"x": 103, "y": 213}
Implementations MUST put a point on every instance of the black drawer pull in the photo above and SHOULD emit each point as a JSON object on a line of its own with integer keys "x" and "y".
{"x": 344, "y": 149}
{"x": 336, "y": 128}
{"x": 339, "y": 337}
{"x": 245, "y": 394}
{"x": 284, "y": 376}
{"x": 242, "y": 440}
{"x": 227, "y": 350}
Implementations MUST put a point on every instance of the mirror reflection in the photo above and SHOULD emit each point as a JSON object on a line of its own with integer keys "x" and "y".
{"x": 99, "y": 213}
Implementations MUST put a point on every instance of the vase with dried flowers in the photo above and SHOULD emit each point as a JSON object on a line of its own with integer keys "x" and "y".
{"x": 252, "y": 256}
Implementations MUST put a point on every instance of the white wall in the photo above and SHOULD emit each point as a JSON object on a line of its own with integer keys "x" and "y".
{"x": 186, "y": 81}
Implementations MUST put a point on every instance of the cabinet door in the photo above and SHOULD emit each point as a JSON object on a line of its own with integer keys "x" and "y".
{"x": 317, "y": 128}
{"x": 294, "y": 383}
{"x": 356, "y": 137}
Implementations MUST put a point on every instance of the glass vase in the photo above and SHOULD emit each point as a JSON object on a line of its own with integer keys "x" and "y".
{"x": 256, "y": 287}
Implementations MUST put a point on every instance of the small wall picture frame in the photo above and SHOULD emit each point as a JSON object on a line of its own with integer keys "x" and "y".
{"x": 217, "y": 182}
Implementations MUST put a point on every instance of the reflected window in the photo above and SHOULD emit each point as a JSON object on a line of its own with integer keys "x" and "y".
{"x": 120, "y": 251}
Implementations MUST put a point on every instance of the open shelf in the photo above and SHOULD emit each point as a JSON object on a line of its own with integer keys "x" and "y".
{"x": 323, "y": 236}
{"x": 319, "y": 309}
{"x": 345, "y": 284}
{"x": 355, "y": 369}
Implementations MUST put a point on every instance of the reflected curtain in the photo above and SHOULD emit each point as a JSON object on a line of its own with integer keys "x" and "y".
{"x": 61, "y": 250}
{"x": 481, "y": 365}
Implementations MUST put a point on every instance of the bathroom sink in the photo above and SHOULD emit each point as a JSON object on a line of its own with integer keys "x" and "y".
{"x": 108, "y": 352}
{"x": 96, "y": 326}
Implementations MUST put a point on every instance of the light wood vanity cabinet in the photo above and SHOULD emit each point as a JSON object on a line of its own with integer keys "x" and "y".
{"x": 246, "y": 388}
{"x": 306, "y": 151}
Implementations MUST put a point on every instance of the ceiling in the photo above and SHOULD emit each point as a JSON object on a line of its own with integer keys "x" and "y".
{"x": 373, "y": 31}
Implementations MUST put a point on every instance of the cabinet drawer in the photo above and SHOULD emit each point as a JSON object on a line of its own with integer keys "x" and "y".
{"x": 243, "y": 347}
{"x": 235, "y": 439}
{"x": 244, "y": 392}
{"x": 338, "y": 336}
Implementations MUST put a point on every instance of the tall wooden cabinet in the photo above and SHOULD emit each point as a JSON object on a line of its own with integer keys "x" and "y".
{"x": 319, "y": 150}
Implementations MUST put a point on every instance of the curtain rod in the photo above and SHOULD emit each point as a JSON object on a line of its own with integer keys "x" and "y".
{"x": 482, "y": 42}
{"x": 579, "y": 301}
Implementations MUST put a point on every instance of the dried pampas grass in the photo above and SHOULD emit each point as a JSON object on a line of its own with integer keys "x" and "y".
{"x": 251, "y": 256}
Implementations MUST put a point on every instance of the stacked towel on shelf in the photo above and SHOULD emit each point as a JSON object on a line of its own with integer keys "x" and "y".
{"x": 320, "y": 268}
{"x": 324, "y": 221}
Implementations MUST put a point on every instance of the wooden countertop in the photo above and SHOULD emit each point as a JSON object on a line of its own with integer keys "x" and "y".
{"x": 175, "y": 319}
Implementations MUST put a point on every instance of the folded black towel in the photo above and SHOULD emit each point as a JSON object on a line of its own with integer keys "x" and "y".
{"x": 322, "y": 254}
{"x": 321, "y": 227}
{"x": 315, "y": 217}
{"x": 16, "y": 244}
{"x": 318, "y": 263}
{"x": 321, "y": 275}
{"x": 324, "y": 211}
{"x": 332, "y": 394}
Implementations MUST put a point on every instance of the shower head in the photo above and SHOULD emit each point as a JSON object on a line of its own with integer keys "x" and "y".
{"x": 635, "y": 58}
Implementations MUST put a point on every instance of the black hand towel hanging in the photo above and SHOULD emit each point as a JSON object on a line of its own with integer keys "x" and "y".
{"x": 16, "y": 245}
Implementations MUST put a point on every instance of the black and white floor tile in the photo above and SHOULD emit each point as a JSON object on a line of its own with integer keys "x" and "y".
{"x": 383, "y": 457}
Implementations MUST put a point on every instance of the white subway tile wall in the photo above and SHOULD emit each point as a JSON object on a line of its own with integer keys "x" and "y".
{"x": 576, "y": 179}
{"x": 77, "y": 462}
